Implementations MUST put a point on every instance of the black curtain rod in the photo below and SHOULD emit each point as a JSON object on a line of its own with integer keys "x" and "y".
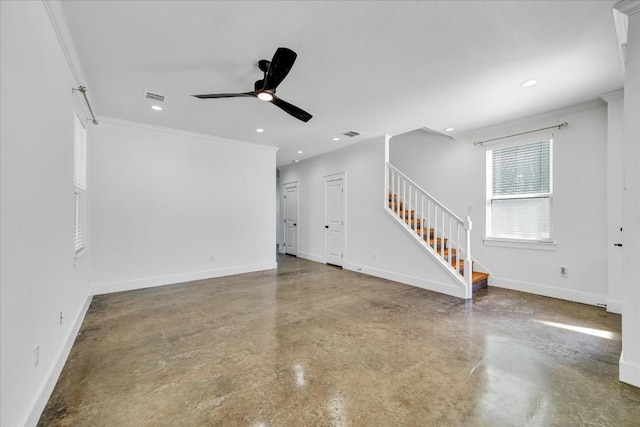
{"x": 560, "y": 126}
{"x": 83, "y": 90}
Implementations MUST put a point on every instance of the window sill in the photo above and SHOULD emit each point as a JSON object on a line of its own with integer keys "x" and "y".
{"x": 521, "y": 244}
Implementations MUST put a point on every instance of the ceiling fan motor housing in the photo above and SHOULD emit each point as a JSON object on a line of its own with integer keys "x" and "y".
{"x": 259, "y": 86}
{"x": 263, "y": 65}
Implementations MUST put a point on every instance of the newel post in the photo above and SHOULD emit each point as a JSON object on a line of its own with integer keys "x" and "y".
{"x": 468, "y": 267}
{"x": 387, "y": 138}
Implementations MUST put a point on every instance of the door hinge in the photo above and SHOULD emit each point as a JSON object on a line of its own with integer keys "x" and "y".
{"x": 342, "y": 222}
{"x": 285, "y": 196}
{"x": 343, "y": 190}
{"x": 341, "y": 255}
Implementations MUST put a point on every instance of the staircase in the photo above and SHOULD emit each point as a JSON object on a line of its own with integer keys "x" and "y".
{"x": 437, "y": 230}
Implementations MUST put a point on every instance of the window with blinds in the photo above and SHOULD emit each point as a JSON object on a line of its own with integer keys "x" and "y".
{"x": 80, "y": 184}
{"x": 521, "y": 189}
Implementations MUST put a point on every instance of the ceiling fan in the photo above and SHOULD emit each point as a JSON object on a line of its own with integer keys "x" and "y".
{"x": 274, "y": 72}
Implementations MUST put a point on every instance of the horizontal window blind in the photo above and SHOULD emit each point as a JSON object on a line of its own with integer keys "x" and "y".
{"x": 523, "y": 169}
{"x": 521, "y": 187}
{"x": 526, "y": 219}
{"x": 79, "y": 155}
{"x": 80, "y": 231}
{"x": 80, "y": 184}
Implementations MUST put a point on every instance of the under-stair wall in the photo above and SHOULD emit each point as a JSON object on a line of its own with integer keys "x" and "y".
{"x": 436, "y": 229}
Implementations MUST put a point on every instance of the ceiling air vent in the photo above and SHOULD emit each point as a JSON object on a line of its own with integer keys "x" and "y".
{"x": 153, "y": 96}
{"x": 351, "y": 133}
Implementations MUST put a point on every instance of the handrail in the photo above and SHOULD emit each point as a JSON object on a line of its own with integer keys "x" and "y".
{"x": 427, "y": 194}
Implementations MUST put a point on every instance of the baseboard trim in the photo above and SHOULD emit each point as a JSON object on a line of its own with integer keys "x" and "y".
{"x": 443, "y": 288}
{"x": 549, "y": 291}
{"x": 129, "y": 285}
{"x": 614, "y": 306}
{"x": 629, "y": 372}
{"x": 311, "y": 257}
{"x": 47, "y": 388}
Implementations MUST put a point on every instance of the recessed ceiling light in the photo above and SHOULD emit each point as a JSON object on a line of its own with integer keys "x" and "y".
{"x": 259, "y": 130}
{"x": 156, "y": 107}
{"x": 448, "y": 129}
{"x": 299, "y": 151}
{"x": 529, "y": 83}
{"x": 296, "y": 161}
{"x": 336, "y": 139}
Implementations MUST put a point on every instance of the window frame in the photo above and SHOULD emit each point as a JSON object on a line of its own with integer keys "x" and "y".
{"x": 518, "y": 242}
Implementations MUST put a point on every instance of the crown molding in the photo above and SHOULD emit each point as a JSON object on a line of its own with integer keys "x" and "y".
{"x": 114, "y": 120}
{"x": 61, "y": 28}
{"x": 612, "y": 96}
{"x": 628, "y": 7}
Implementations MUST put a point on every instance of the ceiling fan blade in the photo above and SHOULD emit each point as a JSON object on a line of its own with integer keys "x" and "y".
{"x": 280, "y": 66}
{"x": 225, "y": 95}
{"x": 291, "y": 109}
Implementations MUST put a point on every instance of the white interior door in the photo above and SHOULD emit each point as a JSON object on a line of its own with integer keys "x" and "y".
{"x": 334, "y": 220}
{"x": 291, "y": 219}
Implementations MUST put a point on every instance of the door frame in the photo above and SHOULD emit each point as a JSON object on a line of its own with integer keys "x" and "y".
{"x": 334, "y": 177}
{"x": 284, "y": 215}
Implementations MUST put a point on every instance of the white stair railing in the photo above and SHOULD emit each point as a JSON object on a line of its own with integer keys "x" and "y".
{"x": 440, "y": 232}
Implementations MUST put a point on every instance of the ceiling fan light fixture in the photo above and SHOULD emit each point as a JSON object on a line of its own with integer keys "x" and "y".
{"x": 156, "y": 107}
{"x": 529, "y": 83}
{"x": 265, "y": 96}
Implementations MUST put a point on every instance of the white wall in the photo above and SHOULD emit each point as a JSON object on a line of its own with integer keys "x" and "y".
{"x": 165, "y": 202}
{"x": 454, "y": 172}
{"x": 38, "y": 275}
{"x": 161, "y": 204}
{"x": 370, "y": 231}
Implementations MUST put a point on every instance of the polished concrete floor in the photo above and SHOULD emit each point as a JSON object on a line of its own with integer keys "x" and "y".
{"x": 312, "y": 345}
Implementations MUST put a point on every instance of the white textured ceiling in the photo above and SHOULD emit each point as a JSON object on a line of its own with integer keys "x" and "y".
{"x": 378, "y": 67}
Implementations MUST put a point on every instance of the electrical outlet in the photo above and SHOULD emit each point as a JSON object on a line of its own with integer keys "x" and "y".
{"x": 212, "y": 259}
{"x": 61, "y": 317}
{"x": 563, "y": 271}
{"x": 36, "y": 355}
{"x": 470, "y": 209}
{"x": 375, "y": 257}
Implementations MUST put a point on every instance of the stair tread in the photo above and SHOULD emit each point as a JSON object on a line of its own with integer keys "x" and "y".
{"x": 461, "y": 265}
{"x": 478, "y": 276}
{"x": 439, "y": 239}
{"x": 427, "y": 231}
{"x": 447, "y": 251}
